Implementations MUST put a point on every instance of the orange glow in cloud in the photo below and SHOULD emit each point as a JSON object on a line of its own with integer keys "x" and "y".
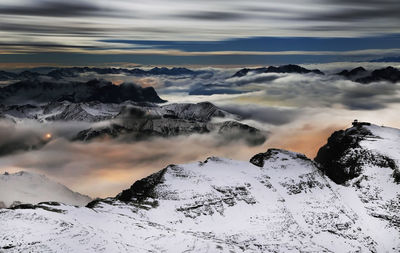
{"x": 48, "y": 136}
{"x": 117, "y": 82}
{"x": 307, "y": 139}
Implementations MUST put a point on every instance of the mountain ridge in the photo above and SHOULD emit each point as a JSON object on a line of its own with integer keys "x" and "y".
{"x": 280, "y": 69}
{"x": 35, "y": 91}
{"x": 279, "y": 201}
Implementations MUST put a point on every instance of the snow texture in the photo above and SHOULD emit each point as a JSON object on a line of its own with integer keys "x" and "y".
{"x": 279, "y": 202}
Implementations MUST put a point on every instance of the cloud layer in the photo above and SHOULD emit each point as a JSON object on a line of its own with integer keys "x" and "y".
{"x": 88, "y": 25}
{"x": 299, "y": 112}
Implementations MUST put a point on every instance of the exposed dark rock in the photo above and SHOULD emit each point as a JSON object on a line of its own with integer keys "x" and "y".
{"x": 50, "y": 203}
{"x": 143, "y": 189}
{"x": 342, "y": 158}
{"x": 22, "y": 206}
{"x": 335, "y": 159}
{"x": 353, "y": 72}
{"x": 97, "y": 201}
{"x": 389, "y": 74}
{"x": 113, "y": 131}
{"x": 281, "y": 69}
{"x": 4, "y": 75}
{"x": 42, "y": 205}
{"x": 260, "y": 158}
{"x": 10, "y": 246}
{"x": 396, "y": 176}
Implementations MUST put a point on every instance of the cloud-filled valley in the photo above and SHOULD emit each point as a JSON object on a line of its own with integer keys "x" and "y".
{"x": 295, "y": 111}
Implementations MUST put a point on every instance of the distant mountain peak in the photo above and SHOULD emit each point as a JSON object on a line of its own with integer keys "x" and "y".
{"x": 36, "y": 91}
{"x": 31, "y": 188}
{"x": 290, "y": 68}
{"x": 354, "y": 72}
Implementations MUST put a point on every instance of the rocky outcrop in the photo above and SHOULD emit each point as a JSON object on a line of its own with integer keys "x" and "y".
{"x": 233, "y": 131}
{"x": 260, "y": 158}
{"x": 388, "y": 74}
{"x": 342, "y": 158}
{"x": 356, "y": 72}
{"x": 143, "y": 189}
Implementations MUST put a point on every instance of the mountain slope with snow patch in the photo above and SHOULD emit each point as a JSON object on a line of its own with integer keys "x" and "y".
{"x": 280, "y": 201}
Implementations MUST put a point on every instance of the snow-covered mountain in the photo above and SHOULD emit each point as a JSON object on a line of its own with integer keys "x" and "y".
{"x": 30, "y": 188}
{"x": 96, "y": 111}
{"x": 137, "y": 120}
{"x": 280, "y": 201}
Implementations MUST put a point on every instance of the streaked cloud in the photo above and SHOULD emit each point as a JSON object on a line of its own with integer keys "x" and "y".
{"x": 49, "y": 8}
{"x": 197, "y": 26}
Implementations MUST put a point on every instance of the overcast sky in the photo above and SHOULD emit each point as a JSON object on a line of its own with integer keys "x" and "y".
{"x": 215, "y": 29}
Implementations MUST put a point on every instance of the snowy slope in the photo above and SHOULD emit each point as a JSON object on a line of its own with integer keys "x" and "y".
{"x": 375, "y": 195}
{"x": 280, "y": 201}
{"x": 30, "y": 188}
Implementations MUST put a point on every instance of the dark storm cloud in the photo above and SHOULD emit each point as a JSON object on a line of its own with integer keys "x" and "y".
{"x": 43, "y": 45}
{"x": 231, "y": 85}
{"x": 16, "y": 138}
{"x": 48, "y": 8}
{"x": 212, "y": 15}
{"x": 370, "y": 97}
{"x": 269, "y": 115}
{"x": 358, "y": 10}
{"x": 358, "y": 15}
{"x": 13, "y": 141}
{"x": 51, "y": 28}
